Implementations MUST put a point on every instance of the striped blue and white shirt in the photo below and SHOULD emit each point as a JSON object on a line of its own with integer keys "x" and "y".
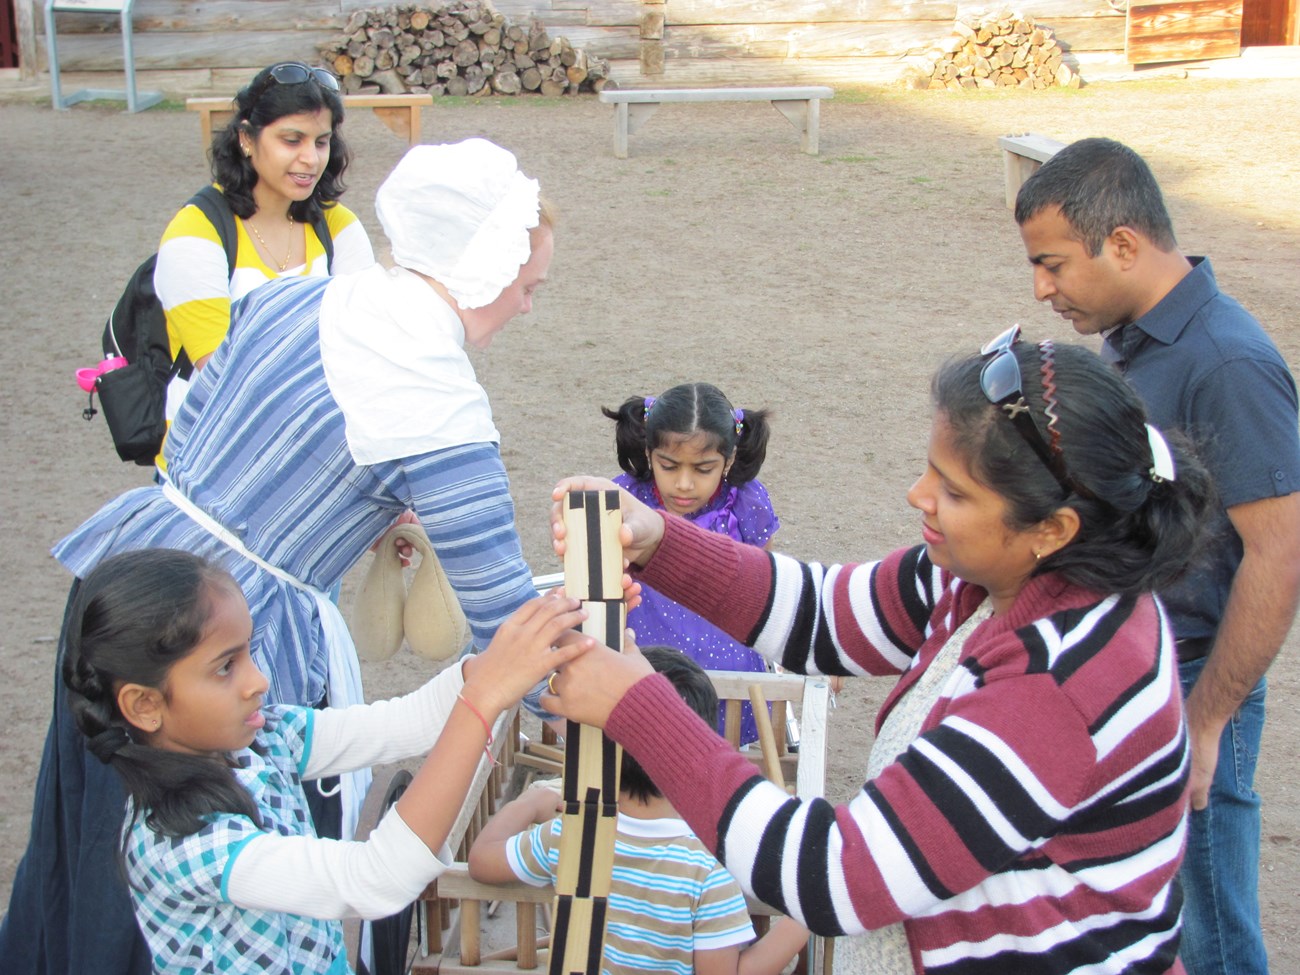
{"x": 259, "y": 445}
{"x": 669, "y": 897}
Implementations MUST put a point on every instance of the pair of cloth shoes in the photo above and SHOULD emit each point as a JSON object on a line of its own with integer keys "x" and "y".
{"x": 428, "y": 615}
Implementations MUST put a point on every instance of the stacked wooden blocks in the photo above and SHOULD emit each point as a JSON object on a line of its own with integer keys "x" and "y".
{"x": 593, "y": 573}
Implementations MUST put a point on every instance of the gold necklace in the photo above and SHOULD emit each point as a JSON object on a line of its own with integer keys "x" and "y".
{"x": 262, "y": 240}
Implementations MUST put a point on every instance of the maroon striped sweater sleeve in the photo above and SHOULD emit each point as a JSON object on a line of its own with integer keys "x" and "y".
{"x": 821, "y": 621}
{"x": 672, "y": 743}
{"x": 723, "y": 580}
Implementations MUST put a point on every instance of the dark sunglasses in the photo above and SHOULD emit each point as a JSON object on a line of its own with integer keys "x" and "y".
{"x": 295, "y": 73}
{"x": 1000, "y": 380}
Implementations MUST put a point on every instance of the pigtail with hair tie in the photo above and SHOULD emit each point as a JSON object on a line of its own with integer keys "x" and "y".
{"x": 739, "y": 416}
{"x": 649, "y": 404}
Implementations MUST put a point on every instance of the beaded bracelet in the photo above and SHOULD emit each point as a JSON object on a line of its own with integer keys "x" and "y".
{"x": 487, "y": 749}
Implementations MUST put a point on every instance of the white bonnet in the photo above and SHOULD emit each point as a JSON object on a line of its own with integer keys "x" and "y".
{"x": 460, "y": 213}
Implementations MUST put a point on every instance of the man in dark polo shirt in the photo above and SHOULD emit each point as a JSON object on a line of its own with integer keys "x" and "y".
{"x": 1103, "y": 252}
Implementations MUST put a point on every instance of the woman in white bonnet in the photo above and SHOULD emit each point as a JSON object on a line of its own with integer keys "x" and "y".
{"x": 333, "y": 406}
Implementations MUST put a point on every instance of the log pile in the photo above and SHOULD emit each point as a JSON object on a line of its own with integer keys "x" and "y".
{"x": 999, "y": 50}
{"x": 462, "y": 47}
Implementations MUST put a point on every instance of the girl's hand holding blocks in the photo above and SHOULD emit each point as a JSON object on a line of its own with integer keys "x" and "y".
{"x": 536, "y": 639}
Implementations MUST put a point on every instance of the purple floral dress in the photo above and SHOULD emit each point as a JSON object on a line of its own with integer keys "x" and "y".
{"x": 745, "y": 513}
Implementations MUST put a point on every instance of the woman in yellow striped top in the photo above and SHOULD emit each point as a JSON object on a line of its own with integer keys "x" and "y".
{"x": 279, "y": 164}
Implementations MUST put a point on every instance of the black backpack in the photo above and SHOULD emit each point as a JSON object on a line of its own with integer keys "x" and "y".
{"x": 134, "y": 397}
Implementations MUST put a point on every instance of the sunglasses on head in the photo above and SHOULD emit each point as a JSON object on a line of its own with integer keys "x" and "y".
{"x": 1001, "y": 383}
{"x": 295, "y": 73}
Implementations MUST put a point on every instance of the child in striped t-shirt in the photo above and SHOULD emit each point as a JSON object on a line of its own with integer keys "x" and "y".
{"x": 672, "y": 906}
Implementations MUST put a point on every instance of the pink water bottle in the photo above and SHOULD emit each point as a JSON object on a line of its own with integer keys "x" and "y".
{"x": 86, "y": 377}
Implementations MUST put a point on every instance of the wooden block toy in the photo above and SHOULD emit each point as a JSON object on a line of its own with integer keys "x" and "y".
{"x": 593, "y": 573}
{"x": 593, "y": 558}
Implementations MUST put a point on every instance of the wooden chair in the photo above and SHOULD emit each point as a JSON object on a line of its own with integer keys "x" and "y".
{"x": 391, "y": 937}
{"x": 453, "y": 908}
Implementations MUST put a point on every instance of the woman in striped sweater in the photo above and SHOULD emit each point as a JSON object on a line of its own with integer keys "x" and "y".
{"x": 1024, "y": 809}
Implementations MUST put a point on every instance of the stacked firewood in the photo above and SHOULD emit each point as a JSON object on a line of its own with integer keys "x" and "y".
{"x": 1000, "y": 50}
{"x": 463, "y": 47}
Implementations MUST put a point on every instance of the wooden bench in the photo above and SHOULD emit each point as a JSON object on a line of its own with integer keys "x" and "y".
{"x": 401, "y": 113}
{"x": 800, "y": 105}
{"x": 1021, "y": 156}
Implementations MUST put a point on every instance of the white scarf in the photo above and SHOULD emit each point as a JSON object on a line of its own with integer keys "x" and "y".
{"x": 394, "y": 358}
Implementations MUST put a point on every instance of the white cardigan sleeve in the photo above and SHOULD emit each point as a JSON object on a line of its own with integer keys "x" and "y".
{"x": 333, "y": 879}
{"x": 344, "y": 739}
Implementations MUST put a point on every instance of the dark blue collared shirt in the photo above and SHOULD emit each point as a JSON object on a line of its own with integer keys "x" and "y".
{"x": 1205, "y": 367}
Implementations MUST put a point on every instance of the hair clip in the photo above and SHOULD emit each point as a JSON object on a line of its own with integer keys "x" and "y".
{"x": 1047, "y": 352}
{"x": 739, "y": 416}
{"x": 1162, "y": 458}
{"x": 649, "y": 402}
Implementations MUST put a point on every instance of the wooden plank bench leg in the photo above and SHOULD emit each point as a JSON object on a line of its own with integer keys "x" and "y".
{"x": 1021, "y": 156}
{"x": 804, "y": 114}
{"x": 210, "y": 121}
{"x": 403, "y": 120}
{"x": 628, "y": 118}
{"x": 1017, "y": 169}
{"x": 620, "y": 130}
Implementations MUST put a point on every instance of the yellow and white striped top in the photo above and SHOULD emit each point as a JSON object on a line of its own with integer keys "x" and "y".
{"x": 196, "y": 289}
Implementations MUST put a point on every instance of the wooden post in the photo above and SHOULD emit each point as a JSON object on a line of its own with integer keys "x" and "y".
{"x": 25, "y": 27}
{"x": 593, "y": 573}
{"x": 652, "y": 23}
{"x": 526, "y": 934}
{"x": 766, "y": 739}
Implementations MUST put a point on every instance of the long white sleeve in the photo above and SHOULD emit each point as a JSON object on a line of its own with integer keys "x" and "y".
{"x": 350, "y": 738}
{"x": 332, "y": 879}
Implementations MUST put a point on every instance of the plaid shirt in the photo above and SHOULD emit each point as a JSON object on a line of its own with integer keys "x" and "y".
{"x": 179, "y": 885}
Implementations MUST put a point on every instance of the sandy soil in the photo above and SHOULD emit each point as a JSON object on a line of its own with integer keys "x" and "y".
{"x": 824, "y": 288}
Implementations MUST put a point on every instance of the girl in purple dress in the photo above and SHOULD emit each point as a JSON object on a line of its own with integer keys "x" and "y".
{"x": 690, "y": 453}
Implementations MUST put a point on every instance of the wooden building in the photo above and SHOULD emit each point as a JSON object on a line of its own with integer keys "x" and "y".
{"x": 184, "y": 46}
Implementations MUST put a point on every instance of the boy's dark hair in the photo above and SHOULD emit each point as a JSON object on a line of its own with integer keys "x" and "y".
{"x": 133, "y": 617}
{"x": 1099, "y": 184}
{"x": 257, "y": 105}
{"x": 695, "y": 688}
{"x": 645, "y": 423}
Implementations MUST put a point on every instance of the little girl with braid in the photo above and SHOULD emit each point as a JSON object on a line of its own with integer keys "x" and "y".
{"x": 689, "y": 452}
{"x": 226, "y": 871}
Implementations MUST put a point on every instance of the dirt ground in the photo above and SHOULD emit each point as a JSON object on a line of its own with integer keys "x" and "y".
{"x": 826, "y": 288}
